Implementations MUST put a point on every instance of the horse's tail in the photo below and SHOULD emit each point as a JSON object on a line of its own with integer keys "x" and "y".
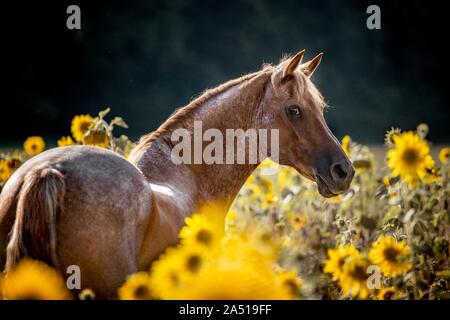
{"x": 34, "y": 232}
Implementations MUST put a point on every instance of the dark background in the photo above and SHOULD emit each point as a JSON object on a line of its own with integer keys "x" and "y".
{"x": 146, "y": 58}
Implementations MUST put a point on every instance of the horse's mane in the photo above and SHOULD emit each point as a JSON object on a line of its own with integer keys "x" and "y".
{"x": 184, "y": 113}
{"x": 178, "y": 116}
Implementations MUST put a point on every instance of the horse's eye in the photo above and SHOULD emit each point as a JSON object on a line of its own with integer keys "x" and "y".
{"x": 294, "y": 110}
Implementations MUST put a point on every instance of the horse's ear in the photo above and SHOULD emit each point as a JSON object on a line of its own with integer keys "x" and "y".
{"x": 309, "y": 67}
{"x": 293, "y": 64}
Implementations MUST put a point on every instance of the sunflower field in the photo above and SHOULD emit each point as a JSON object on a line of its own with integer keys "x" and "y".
{"x": 386, "y": 238}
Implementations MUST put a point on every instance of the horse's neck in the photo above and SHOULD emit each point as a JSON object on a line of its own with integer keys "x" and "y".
{"x": 234, "y": 108}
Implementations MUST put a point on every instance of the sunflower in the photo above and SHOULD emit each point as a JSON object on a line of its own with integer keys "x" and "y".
{"x": 7, "y": 167}
{"x": 390, "y": 255}
{"x": 175, "y": 268}
{"x": 346, "y": 144}
{"x": 285, "y": 176}
{"x": 231, "y": 216}
{"x": 202, "y": 229}
{"x": 234, "y": 281}
{"x": 291, "y": 281}
{"x": 80, "y": 125}
{"x": 389, "y": 136}
{"x": 97, "y": 138}
{"x": 33, "y": 280}
{"x": 65, "y": 141}
{"x": 444, "y": 154}
{"x": 410, "y": 158}
{"x": 337, "y": 257}
{"x": 34, "y": 145}
{"x": 269, "y": 200}
{"x": 335, "y": 200}
{"x": 353, "y": 279}
{"x": 389, "y": 293}
{"x": 165, "y": 273}
{"x": 136, "y": 287}
{"x": 422, "y": 130}
{"x": 431, "y": 175}
{"x": 87, "y": 294}
{"x": 297, "y": 220}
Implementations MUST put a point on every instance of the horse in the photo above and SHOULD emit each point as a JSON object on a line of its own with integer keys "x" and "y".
{"x": 112, "y": 216}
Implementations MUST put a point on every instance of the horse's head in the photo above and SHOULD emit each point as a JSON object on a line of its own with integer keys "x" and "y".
{"x": 306, "y": 143}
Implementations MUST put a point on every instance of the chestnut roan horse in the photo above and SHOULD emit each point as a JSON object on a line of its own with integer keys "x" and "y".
{"x": 110, "y": 216}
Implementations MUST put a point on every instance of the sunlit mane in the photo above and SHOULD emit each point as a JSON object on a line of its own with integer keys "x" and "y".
{"x": 185, "y": 112}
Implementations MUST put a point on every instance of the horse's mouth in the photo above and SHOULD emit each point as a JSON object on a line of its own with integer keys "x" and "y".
{"x": 323, "y": 187}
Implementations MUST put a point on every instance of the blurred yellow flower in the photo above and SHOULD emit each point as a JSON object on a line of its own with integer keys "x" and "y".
{"x": 231, "y": 216}
{"x": 231, "y": 280}
{"x": 389, "y": 136}
{"x": 337, "y": 257}
{"x": 431, "y": 175}
{"x": 96, "y": 138}
{"x": 268, "y": 200}
{"x": 391, "y": 256}
{"x": 336, "y": 199}
{"x": 297, "y": 220}
{"x": 422, "y": 130}
{"x": 410, "y": 157}
{"x": 165, "y": 274}
{"x": 386, "y": 293}
{"x": 136, "y": 287}
{"x": 7, "y": 167}
{"x": 444, "y": 154}
{"x": 86, "y": 294}
{"x": 353, "y": 279}
{"x": 34, "y": 145}
{"x": 176, "y": 267}
{"x": 65, "y": 141}
{"x": 291, "y": 282}
{"x": 202, "y": 229}
{"x": 33, "y": 280}
{"x": 346, "y": 144}
{"x": 80, "y": 125}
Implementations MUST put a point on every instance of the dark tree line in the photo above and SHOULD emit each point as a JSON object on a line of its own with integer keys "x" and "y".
{"x": 146, "y": 58}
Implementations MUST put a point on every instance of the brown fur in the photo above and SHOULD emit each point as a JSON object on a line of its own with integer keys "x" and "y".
{"x": 112, "y": 216}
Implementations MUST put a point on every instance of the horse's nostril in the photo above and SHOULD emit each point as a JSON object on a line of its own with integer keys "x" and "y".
{"x": 339, "y": 171}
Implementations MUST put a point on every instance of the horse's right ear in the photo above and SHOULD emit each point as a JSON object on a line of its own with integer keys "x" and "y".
{"x": 293, "y": 64}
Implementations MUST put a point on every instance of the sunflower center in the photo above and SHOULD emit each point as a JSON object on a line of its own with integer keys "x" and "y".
{"x": 390, "y": 254}
{"x": 410, "y": 156}
{"x": 193, "y": 263}
{"x": 142, "y": 292}
{"x": 84, "y": 126}
{"x": 341, "y": 261}
{"x": 13, "y": 164}
{"x": 204, "y": 236}
{"x": 388, "y": 295}
{"x": 359, "y": 273}
{"x": 174, "y": 278}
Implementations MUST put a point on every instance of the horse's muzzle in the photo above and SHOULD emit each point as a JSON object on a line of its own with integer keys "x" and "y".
{"x": 337, "y": 180}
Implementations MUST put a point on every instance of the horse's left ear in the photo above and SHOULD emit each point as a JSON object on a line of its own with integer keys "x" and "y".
{"x": 293, "y": 64}
{"x": 309, "y": 67}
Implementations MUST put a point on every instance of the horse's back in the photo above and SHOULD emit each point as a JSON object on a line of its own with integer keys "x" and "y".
{"x": 105, "y": 211}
